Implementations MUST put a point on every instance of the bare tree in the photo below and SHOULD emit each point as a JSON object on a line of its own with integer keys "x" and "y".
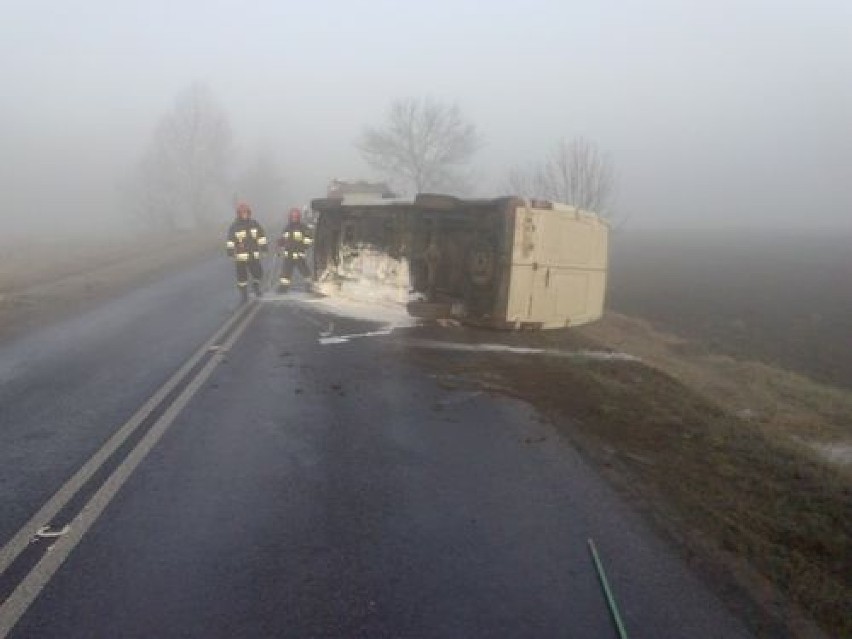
{"x": 261, "y": 184}
{"x": 576, "y": 172}
{"x": 182, "y": 179}
{"x": 423, "y": 145}
{"x": 522, "y": 182}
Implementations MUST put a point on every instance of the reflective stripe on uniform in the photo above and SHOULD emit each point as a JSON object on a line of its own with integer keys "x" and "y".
{"x": 256, "y": 255}
{"x": 253, "y": 233}
{"x": 242, "y": 257}
{"x": 242, "y": 284}
{"x": 261, "y": 241}
{"x": 308, "y": 240}
{"x": 297, "y": 235}
{"x": 240, "y": 235}
{"x": 230, "y": 244}
{"x": 283, "y": 280}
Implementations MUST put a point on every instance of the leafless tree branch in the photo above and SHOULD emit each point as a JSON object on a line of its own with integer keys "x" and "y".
{"x": 576, "y": 172}
{"x": 183, "y": 176}
{"x": 423, "y": 145}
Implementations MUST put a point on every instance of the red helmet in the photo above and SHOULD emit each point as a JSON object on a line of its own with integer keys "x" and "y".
{"x": 295, "y": 215}
{"x": 243, "y": 209}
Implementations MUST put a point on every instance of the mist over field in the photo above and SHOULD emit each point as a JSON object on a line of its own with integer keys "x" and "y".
{"x": 728, "y": 114}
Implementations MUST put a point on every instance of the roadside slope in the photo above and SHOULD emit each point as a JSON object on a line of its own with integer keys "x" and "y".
{"x": 724, "y": 455}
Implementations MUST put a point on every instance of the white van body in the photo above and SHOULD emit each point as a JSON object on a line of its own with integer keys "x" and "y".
{"x": 503, "y": 262}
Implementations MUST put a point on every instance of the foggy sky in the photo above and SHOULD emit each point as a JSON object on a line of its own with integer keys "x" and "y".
{"x": 715, "y": 114}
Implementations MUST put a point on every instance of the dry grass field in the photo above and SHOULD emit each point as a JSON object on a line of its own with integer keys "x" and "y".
{"x": 784, "y": 299}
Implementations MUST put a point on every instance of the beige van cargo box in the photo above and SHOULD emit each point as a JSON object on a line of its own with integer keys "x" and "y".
{"x": 503, "y": 262}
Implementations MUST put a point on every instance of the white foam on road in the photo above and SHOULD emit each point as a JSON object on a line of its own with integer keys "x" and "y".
{"x": 840, "y": 454}
{"x": 522, "y": 350}
{"x": 342, "y": 339}
{"x": 389, "y": 314}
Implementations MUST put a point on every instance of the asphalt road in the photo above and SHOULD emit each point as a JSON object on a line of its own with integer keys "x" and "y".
{"x": 305, "y": 487}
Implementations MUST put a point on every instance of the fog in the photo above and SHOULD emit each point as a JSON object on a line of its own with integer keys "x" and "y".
{"x": 726, "y": 114}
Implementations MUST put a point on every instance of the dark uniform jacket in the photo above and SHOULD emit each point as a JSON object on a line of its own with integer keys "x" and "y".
{"x": 295, "y": 240}
{"x": 246, "y": 240}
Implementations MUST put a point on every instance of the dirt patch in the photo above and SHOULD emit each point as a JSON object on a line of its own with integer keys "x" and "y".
{"x": 766, "y": 519}
{"x": 41, "y": 283}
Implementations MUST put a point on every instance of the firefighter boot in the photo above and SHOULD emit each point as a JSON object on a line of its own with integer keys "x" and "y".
{"x": 243, "y": 294}
{"x": 256, "y": 287}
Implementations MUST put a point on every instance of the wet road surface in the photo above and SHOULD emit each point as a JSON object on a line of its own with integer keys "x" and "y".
{"x": 313, "y": 487}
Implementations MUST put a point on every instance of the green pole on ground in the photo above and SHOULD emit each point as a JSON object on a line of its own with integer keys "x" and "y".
{"x": 613, "y": 608}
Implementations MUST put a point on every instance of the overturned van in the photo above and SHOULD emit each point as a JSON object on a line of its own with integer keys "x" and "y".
{"x": 505, "y": 262}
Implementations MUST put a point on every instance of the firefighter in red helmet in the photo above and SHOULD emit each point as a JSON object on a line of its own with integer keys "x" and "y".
{"x": 293, "y": 245}
{"x": 245, "y": 243}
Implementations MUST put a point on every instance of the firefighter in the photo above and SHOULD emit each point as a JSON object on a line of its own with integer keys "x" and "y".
{"x": 245, "y": 243}
{"x": 293, "y": 245}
